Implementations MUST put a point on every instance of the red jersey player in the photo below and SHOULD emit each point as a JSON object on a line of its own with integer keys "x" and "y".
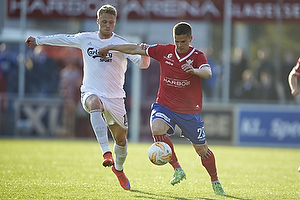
{"x": 179, "y": 99}
{"x": 293, "y": 76}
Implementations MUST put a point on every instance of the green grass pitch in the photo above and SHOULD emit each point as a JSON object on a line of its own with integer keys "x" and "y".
{"x": 71, "y": 169}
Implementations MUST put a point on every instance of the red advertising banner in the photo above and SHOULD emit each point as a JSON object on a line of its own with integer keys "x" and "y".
{"x": 212, "y": 10}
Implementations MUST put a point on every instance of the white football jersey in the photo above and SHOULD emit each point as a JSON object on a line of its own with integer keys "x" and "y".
{"x": 102, "y": 77}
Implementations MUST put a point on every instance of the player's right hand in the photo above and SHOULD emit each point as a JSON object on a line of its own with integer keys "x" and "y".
{"x": 295, "y": 92}
{"x": 30, "y": 41}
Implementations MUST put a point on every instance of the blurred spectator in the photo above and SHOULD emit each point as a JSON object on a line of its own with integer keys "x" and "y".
{"x": 3, "y": 100}
{"x": 8, "y": 87}
{"x": 41, "y": 77}
{"x": 209, "y": 84}
{"x": 264, "y": 63}
{"x": 4, "y": 66}
{"x": 70, "y": 81}
{"x": 267, "y": 87}
{"x": 9, "y": 68}
{"x": 247, "y": 88}
{"x": 238, "y": 66}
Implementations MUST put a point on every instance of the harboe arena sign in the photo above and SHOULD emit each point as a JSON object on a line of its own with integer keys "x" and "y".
{"x": 212, "y": 10}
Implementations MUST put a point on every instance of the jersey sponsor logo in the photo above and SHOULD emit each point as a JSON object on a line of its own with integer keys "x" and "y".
{"x": 92, "y": 52}
{"x": 169, "y": 63}
{"x": 176, "y": 82}
{"x": 168, "y": 57}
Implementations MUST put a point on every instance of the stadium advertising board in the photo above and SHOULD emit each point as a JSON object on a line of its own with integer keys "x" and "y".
{"x": 38, "y": 117}
{"x": 253, "y": 10}
{"x": 274, "y": 126}
{"x": 218, "y": 122}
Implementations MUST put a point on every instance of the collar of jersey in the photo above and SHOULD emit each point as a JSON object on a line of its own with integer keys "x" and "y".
{"x": 185, "y": 57}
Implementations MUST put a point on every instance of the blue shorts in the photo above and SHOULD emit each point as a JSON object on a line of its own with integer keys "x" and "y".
{"x": 191, "y": 125}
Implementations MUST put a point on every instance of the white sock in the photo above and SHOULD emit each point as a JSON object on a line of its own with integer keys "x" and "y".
{"x": 217, "y": 181}
{"x": 100, "y": 129}
{"x": 121, "y": 154}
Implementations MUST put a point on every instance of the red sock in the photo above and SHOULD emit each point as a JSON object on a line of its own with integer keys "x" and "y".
{"x": 164, "y": 138}
{"x": 208, "y": 161}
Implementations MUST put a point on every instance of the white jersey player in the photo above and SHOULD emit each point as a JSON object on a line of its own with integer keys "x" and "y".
{"x": 102, "y": 93}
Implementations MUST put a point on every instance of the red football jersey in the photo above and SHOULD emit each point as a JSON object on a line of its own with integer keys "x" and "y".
{"x": 178, "y": 90}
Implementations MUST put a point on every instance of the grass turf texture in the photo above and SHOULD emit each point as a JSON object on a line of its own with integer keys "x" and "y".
{"x": 67, "y": 169}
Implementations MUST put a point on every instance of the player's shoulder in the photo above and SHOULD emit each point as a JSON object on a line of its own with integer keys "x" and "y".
{"x": 119, "y": 38}
{"x": 90, "y": 33}
{"x": 166, "y": 47}
{"x": 197, "y": 51}
{"x": 84, "y": 34}
{"x": 170, "y": 46}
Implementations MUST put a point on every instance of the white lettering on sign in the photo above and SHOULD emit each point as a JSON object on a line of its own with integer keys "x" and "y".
{"x": 281, "y": 129}
{"x": 257, "y": 10}
{"x": 165, "y": 9}
{"x": 251, "y": 127}
{"x": 160, "y": 9}
{"x": 265, "y": 10}
{"x": 63, "y": 8}
{"x": 171, "y": 9}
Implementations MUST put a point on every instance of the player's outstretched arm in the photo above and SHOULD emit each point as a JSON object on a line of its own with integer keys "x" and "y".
{"x": 30, "y": 41}
{"x": 124, "y": 48}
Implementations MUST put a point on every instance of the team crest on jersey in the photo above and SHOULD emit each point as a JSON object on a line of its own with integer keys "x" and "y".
{"x": 189, "y": 62}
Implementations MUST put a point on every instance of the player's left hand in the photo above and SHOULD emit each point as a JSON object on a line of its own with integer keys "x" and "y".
{"x": 188, "y": 68}
{"x": 103, "y": 51}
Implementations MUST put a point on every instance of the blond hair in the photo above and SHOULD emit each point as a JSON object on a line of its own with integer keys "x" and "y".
{"x": 107, "y": 9}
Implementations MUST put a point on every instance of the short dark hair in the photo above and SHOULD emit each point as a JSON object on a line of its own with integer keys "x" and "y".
{"x": 182, "y": 28}
{"x": 107, "y": 9}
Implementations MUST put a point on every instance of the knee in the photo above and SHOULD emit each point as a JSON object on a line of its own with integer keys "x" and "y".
{"x": 157, "y": 131}
{"x": 201, "y": 150}
{"x": 94, "y": 103}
